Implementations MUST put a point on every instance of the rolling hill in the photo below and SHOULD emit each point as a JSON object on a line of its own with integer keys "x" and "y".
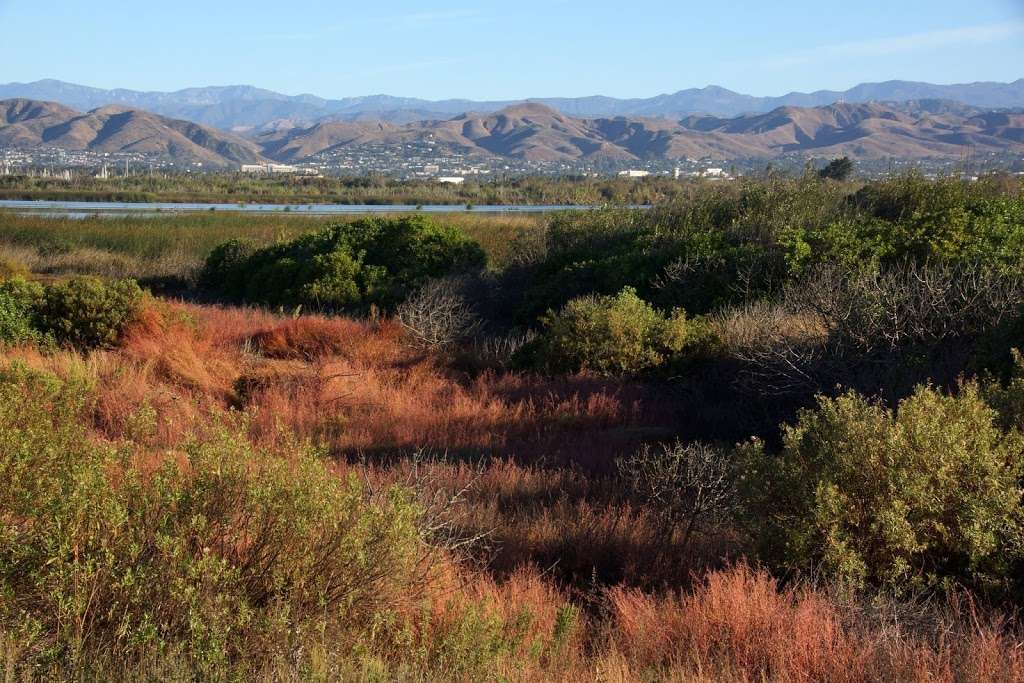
{"x": 535, "y": 132}
{"x": 30, "y": 124}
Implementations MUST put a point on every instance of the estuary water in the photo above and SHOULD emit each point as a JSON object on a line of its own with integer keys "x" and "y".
{"x": 82, "y": 209}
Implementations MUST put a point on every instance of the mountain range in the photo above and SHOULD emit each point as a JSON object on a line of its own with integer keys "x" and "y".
{"x": 535, "y": 132}
{"x": 538, "y": 133}
{"x": 246, "y": 109}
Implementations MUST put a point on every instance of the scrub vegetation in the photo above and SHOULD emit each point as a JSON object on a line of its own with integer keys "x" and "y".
{"x": 770, "y": 431}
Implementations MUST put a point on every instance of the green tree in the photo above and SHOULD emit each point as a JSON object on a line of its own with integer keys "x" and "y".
{"x": 837, "y": 169}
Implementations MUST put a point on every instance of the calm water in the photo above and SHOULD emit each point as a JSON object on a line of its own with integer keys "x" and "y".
{"x": 82, "y": 209}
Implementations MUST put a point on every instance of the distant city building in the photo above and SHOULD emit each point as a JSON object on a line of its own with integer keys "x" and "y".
{"x": 452, "y": 180}
{"x": 633, "y": 173}
{"x": 269, "y": 168}
{"x": 431, "y": 169}
{"x": 713, "y": 173}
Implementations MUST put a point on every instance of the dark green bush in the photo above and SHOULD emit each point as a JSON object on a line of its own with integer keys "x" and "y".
{"x": 837, "y": 169}
{"x": 667, "y": 258}
{"x": 224, "y": 269}
{"x": 740, "y": 241}
{"x": 612, "y": 335}
{"x": 347, "y": 267}
{"x": 87, "y": 312}
{"x": 923, "y": 496}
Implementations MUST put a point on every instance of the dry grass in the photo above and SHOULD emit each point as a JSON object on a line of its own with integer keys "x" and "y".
{"x": 359, "y": 388}
{"x": 575, "y": 583}
{"x": 739, "y": 624}
{"x": 101, "y": 262}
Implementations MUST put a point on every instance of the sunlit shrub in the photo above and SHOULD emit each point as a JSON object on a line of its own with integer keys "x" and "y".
{"x": 198, "y": 555}
{"x": 611, "y": 335}
{"x": 923, "y": 496}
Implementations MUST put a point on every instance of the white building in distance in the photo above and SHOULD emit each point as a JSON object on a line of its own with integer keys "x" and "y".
{"x": 634, "y": 174}
{"x": 269, "y": 168}
{"x": 451, "y": 180}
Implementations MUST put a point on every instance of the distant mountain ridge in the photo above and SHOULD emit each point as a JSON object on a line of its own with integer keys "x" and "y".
{"x": 248, "y": 109}
{"x": 537, "y": 133}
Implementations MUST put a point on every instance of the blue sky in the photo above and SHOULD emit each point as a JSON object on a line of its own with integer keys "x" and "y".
{"x": 510, "y": 49}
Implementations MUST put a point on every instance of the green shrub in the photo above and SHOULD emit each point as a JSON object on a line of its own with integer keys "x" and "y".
{"x": 18, "y": 301}
{"x": 86, "y": 312}
{"x": 224, "y": 269}
{"x": 611, "y": 335}
{"x": 352, "y": 266}
{"x": 217, "y": 557}
{"x": 920, "y": 497}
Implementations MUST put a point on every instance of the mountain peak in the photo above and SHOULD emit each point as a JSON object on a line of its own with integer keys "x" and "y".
{"x": 529, "y": 108}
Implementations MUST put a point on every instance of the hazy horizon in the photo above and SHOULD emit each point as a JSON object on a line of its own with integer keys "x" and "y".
{"x": 671, "y": 91}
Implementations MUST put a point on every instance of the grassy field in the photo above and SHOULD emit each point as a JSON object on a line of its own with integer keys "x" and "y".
{"x": 174, "y": 245}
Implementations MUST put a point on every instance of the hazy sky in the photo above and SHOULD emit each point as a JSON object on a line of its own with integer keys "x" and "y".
{"x": 510, "y": 49}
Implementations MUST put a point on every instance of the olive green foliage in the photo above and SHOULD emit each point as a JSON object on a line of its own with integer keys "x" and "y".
{"x": 375, "y": 261}
{"x": 923, "y": 496}
{"x": 220, "y": 555}
{"x": 612, "y": 335}
{"x": 87, "y": 312}
{"x": 737, "y": 241}
{"x": 667, "y": 255}
{"x": 18, "y": 299}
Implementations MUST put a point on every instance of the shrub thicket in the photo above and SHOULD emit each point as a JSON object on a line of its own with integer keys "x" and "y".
{"x": 87, "y": 312}
{"x": 81, "y": 312}
{"x": 224, "y": 269}
{"x": 743, "y": 240}
{"x": 352, "y": 266}
{"x": 918, "y": 497}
